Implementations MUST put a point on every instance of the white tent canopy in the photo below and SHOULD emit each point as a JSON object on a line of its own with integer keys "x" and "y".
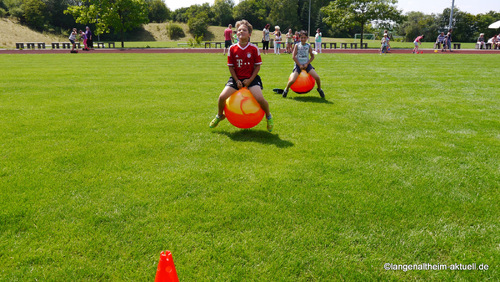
{"x": 495, "y": 25}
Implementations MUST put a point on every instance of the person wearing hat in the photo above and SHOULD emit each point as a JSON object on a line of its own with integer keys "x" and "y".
{"x": 277, "y": 40}
{"x": 480, "y": 41}
{"x": 385, "y": 44}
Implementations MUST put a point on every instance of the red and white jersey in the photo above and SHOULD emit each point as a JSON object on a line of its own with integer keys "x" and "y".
{"x": 243, "y": 59}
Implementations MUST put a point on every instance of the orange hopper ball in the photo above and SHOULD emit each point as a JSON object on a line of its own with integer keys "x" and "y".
{"x": 242, "y": 110}
{"x": 304, "y": 83}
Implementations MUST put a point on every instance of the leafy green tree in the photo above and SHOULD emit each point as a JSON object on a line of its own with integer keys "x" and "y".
{"x": 33, "y": 15}
{"x": 195, "y": 10}
{"x": 185, "y": 14}
{"x": 284, "y": 13}
{"x": 254, "y": 11}
{"x": 484, "y": 20}
{"x": 14, "y": 8}
{"x": 316, "y": 16}
{"x": 174, "y": 31}
{"x": 158, "y": 12}
{"x": 198, "y": 25}
{"x": 223, "y": 12}
{"x": 117, "y": 15}
{"x": 417, "y": 23}
{"x": 464, "y": 25}
{"x": 3, "y": 9}
{"x": 55, "y": 15}
{"x": 319, "y": 23}
{"x": 180, "y": 15}
{"x": 347, "y": 13}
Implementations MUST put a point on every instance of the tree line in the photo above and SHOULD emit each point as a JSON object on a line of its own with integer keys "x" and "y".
{"x": 338, "y": 18}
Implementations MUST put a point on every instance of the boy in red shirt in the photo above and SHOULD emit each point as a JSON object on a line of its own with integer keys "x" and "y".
{"x": 243, "y": 60}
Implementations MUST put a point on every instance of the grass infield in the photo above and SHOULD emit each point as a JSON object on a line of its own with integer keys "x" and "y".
{"x": 107, "y": 159}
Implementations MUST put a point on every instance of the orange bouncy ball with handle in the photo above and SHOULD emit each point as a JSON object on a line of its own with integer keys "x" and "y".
{"x": 304, "y": 83}
{"x": 242, "y": 110}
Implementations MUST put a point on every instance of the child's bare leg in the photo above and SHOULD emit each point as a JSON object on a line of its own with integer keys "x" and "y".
{"x": 315, "y": 75}
{"x": 257, "y": 94}
{"x": 226, "y": 93}
{"x": 295, "y": 75}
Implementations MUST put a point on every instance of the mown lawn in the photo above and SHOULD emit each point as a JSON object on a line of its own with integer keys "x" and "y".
{"x": 107, "y": 159}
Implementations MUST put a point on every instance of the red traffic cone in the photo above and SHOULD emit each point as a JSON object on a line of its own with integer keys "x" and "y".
{"x": 166, "y": 268}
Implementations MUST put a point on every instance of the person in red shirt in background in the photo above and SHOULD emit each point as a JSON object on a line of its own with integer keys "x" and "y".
{"x": 228, "y": 38}
{"x": 416, "y": 42}
{"x": 243, "y": 60}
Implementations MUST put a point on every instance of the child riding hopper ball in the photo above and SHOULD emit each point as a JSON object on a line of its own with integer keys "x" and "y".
{"x": 304, "y": 83}
{"x": 242, "y": 110}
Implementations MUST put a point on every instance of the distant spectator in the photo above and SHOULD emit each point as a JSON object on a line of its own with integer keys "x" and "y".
{"x": 448, "y": 41}
{"x": 480, "y": 41}
{"x": 90, "y": 38}
{"x": 317, "y": 41}
{"x": 289, "y": 41}
{"x": 83, "y": 36}
{"x": 439, "y": 41}
{"x": 384, "y": 44}
{"x": 417, "y": 42}
{"x": 296, "y": 38}
{"x": 228, "y": 38}
{"x": 388, "y": 41}
{"x": 265, "y": 39}
{"x": 491, "y": 43}
{"x": 72, "y": 38}
{"x": 277, "y": 40}
{"x": 235, "y": 37}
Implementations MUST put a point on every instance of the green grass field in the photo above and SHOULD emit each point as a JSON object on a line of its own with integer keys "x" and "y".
{"x": 107, "y": 159}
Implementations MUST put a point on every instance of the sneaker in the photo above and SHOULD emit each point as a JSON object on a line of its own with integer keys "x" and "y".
{"x": 278, "y": 90}
{"x": 270, "y": 124}
{"x": 285, "y": 92}
{"x": 216, "y": 121}
{"x": 321, "y": 93}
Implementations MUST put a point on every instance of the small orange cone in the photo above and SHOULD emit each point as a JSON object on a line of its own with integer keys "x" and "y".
{"x": 166, "y": 268}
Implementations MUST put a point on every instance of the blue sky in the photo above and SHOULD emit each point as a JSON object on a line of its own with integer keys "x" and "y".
{"x": 426, "y": 6}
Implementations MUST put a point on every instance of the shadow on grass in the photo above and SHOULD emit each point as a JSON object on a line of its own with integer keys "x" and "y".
{"x": 264, "y": 137}
{"x": 310, "y": 99}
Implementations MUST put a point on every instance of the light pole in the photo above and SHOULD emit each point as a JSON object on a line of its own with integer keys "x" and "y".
{"x": 451, "y": 13}
{"x": 97, "y": 22}
{"x": 309, "y": 20}
{"x": 309, "y": 23}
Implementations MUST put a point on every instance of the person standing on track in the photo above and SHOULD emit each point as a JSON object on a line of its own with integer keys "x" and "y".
{"x": 417, "y": 42}
{"x": 90, "y": 42}
{"x": 228, "y": 38}
{"x": 265, "y": 38}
